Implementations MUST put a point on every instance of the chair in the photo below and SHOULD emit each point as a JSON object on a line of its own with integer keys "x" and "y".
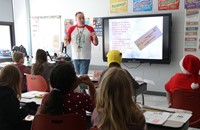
{"x": 36, "y": 83}
{"x": 58, "y": 122}
{"x": 188, "y": 100}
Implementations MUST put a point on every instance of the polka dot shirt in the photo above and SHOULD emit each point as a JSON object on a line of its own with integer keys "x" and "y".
{"x": 77, "y": 103}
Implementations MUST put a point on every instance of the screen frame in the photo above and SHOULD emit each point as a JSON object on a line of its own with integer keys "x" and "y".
{"x": 167, "y": 25}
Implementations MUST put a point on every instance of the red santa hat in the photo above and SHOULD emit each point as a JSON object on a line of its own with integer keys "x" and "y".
{"x": 191, "y": 65}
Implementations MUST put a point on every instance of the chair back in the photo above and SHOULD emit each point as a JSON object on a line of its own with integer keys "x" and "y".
{"x": 58, "y": 122}
{"x": 36, "y": 83}
{"x": 188, "y": 100}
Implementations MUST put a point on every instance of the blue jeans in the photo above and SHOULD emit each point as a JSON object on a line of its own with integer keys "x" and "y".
{"x": 81, "y": 66}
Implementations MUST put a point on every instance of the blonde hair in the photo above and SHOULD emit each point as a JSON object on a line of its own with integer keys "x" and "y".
{"x": 10, "y": 77}
{"x": 115, "y": 103}
{"x": 17, "y": 56}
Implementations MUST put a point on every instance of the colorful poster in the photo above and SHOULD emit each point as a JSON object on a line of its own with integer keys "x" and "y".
{"x": 97, "y": 25}
{"x": 87, "y": 21}
{"x": 192, "y": 4}
{"x": 68, "y": 23}
{"x": 142, "y": 5}
{"x": 118, "y": 6}
{"x": 192, "y": 25}
{"x": 168, "y": 4}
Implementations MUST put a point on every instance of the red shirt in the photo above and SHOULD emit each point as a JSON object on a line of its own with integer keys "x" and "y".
{"x": 23, "y": 69}
{"x": 181, "y": 81}
{"x": 77, "y": 103}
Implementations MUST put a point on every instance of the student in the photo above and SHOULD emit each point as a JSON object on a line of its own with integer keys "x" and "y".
{"x": 115, "y": 108}
{"x": 114, "y": 58}
{"x": 41, "y": 66}
{"x": 62, "y": 99}
{"x": 18, "y": 58}
{"x": 80, "y": 37}
{"x": 188, "y": 79}
{"x": 11, "y": 116}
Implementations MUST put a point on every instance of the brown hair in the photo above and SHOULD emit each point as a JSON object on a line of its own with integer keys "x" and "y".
{"x": 115, "y": 103}
{"x": 17, "y": 56}
{"x": 10, "y": 77}
{"x": 41, "y": 57}
{"x": 78, "y": 13}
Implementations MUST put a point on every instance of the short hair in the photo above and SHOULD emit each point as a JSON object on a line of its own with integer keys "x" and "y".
{"x": 78, "y": 13}
{"x": 17, "y": 56}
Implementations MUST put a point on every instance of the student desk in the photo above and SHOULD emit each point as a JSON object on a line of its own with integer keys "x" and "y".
{"x": 178, "y": 119}
{"x": 32, "y": 96}
{"x": 157, "y": 127}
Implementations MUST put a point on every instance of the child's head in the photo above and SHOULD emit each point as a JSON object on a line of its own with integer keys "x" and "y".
{"x": 18, "y": 57}
{"x": 10, "y": 76}
{"x": 190, "y": 64}
{"x": 114, "y": 58}
{"x": 41, "y": 56}
{"x": 115, "y": 84}
{"x": 114, "y": 101}
{"x": 62, "y": 77}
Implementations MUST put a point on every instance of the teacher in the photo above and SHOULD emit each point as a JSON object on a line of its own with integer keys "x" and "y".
{"x": 80, "y": 36}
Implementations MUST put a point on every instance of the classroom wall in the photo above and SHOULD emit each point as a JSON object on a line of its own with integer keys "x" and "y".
{"x": 158, "y": 73}
{"x": 6, "y": 11}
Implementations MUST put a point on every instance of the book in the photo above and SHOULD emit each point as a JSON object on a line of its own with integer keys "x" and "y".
{"x": 158, "y": 118}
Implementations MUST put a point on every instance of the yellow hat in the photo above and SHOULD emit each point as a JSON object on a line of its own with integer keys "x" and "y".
{"x": 114, "y": 56}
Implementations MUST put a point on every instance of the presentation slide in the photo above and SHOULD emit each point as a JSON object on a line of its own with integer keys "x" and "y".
{"x": 137, "y": 37}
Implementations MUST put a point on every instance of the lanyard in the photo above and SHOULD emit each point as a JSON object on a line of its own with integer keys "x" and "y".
{"x": 80, "y": 35}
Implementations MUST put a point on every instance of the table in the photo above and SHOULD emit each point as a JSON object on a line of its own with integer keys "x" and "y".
{"x": 178, "y": 119}
{"x": 32, "y": 96}
{"x": 157, "y": 127}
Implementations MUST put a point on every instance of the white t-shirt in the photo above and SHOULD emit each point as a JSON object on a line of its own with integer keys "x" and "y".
{"x": 80, "y": 40}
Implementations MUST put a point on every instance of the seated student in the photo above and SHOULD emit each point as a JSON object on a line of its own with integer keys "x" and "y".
{"x": 114, "y": 58}
{"x": 18, "y": 58}
{"x": 41, "y": 65}
{"x": 115, "y": 108}
{"x": 11, "y": 115}
{"x": 189, "y": 79}
{"x": 62, "y": 99}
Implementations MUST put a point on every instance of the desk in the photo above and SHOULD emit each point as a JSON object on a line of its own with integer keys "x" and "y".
{"x": 32, "y": 96}
{"x": 141, "y": 90}
{"x": 178, "y": 119}
{"x": 157, "y": 127}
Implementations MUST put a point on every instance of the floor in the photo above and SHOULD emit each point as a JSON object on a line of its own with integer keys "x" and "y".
{"x": 152, "y": 100}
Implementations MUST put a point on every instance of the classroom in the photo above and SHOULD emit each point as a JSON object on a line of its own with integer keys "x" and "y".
{"x": 43, "y": 24}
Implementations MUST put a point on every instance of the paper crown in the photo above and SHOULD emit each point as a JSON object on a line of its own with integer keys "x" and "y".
{"x": 191, "y": 65}
{"x": 114, "y": 56}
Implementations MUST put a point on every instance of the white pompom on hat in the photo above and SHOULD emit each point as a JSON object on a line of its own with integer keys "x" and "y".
{"x": 191, "y": 65}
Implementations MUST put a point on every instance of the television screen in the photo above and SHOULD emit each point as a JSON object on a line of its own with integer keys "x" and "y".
{"x": 140, "y": 38}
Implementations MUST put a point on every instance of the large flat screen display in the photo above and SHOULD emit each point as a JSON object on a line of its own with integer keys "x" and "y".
{"x": 140, "y": 38}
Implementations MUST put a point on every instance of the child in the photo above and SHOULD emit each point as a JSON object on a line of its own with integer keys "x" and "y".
{"x": 189, "y": 79}
{"x": 41, "y": 66}
{"x": 114, "y": 58}
{"x": 11, "y": 116}
{"x": 18, "y": 58}
{"x": 62, "y": 99}
{"x": 115, "y": 108}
